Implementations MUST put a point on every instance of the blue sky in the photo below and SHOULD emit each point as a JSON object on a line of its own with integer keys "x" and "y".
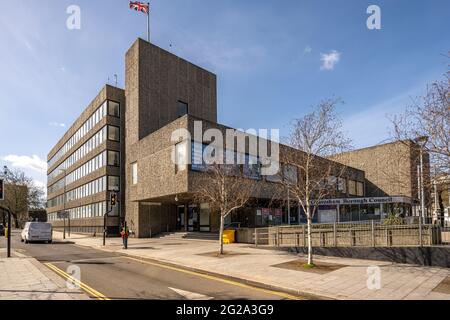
{"x": 266, "y": 53}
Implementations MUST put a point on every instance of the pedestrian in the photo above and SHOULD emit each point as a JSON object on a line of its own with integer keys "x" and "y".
{"x": 125, "y": 233}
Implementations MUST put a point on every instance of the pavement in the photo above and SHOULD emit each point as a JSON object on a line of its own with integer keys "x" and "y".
{"x": 24, "y": 278}
{"x": 341, "y": 278}
{"x": 109, "y": 275}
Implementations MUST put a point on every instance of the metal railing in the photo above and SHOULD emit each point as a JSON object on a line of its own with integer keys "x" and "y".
{"x": 369, "y": 234}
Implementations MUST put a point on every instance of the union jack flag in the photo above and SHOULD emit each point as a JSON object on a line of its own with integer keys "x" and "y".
{"x": 139, "y": 6}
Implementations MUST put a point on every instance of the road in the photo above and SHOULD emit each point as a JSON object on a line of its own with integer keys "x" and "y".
{"x": 105, "y": 275}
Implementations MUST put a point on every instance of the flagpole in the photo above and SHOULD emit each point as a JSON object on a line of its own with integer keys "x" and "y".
{"x": 148, "y": 22}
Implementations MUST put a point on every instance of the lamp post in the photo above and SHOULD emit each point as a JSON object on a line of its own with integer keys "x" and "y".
{"x": 5, "y": 171}
{"x": 64, "y": 208}
{"x": 422, "y": 141}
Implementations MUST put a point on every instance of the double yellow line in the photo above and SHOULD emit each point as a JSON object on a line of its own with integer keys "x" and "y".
{"x": 94, "y": 293}
{"x": 214, "y": 278}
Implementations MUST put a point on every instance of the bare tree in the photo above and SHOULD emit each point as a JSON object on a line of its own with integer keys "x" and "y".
{"x": 225, "y": 190}
{"x": 307, "y": 175}
{"x": 21, "y": 194}
{"x": 429, "y": 116}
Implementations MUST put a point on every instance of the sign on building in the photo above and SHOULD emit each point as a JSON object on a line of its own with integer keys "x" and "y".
{"x": 63, "y": 215}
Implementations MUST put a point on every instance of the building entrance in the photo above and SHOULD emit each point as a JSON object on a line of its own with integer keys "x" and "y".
{"x": 181, "y": 218}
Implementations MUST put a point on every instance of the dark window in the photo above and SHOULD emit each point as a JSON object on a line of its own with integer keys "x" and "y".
{"x": 182, "y": 109}
{"x": 113, "y": 133}
{"x": 113, "y": 109}
{"x": 113, "y": 158}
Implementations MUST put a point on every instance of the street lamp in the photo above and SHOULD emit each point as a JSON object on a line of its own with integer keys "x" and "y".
{"x": 8, "y": 248}
{"x": 64, "y": 208}
{"x": 422, "y": 141}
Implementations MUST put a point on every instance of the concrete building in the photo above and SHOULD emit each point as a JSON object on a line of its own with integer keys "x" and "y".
{"x": 85, "y": 165}
{"x": 392, "y": 170}
{"x": 123, "y": 142}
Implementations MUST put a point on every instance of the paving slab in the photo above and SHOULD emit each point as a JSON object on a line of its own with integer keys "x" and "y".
{"x": 24, "y": 278}
{"x": 258, "y": 264}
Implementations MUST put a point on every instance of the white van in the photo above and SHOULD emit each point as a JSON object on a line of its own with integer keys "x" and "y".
{"x": 37, "y": 231}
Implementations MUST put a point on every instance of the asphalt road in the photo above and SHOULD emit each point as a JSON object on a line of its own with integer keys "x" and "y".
{"x": 115, "y": 276}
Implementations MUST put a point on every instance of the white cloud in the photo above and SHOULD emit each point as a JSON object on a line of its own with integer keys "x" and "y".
{"x": 41, "y": 185}
{"x": 57, "y": 124}
{"x": 25, "y": 162}
{"x": 308, "y": 49}
{"x": 329, "y": 60}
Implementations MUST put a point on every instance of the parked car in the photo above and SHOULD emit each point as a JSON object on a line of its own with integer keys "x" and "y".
{"x": 2, "y": 230}
{"x": 37, "y": 232}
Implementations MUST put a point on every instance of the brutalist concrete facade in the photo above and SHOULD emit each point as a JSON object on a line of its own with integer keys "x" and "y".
{"x": 156, "y": 82}
{"x": 58, "y": 172}
{"x": 390, "y": 169}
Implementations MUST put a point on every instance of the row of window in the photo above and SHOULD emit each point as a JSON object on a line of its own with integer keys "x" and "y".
{"x": 250, "y": 168}
{"x": 87, "y": 126}
{"x": 355, "y": 188}
{"x": 90, "y": 211}
{"x": 112, "y": 158}
{"x": 87, "y": 168}
{"x": 55, "y": 202}
{"x": 87, "y": 190}
{"x": 55, "y": 187}
{"x": 110, "y": 132}
{"x": 91, "y": 188}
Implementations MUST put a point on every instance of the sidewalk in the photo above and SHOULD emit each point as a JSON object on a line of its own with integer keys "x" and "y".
{"x": 24, "y": 278}
{"x": 341, "y": 279}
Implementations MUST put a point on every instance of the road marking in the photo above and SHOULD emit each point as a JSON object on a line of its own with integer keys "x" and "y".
{"x": 191, "y": 295}
{"x": 82, "y": 285}
{"x": 214, "y": 278}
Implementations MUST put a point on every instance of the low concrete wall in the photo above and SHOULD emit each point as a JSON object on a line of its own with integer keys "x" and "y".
{"x": 361, "y": 235}
{"x": 438, "y": 256}
{"x": 245, "y": 235}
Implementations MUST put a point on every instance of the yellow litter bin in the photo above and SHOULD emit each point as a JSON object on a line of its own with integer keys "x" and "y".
{"x": 229, "y": 236}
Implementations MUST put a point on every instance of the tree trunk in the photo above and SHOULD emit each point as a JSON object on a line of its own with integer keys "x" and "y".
{"x": 310, "y": 249}
{"x": 15, "y": 220}
{"x": 222, "y": 226}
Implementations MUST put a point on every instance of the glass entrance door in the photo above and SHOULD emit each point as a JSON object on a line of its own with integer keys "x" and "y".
{"x": 181, "y": 219}
{"x": 205, "y": 225}
{"x": 193, "y": 218}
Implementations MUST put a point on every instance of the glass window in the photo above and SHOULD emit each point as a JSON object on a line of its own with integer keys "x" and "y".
{"x": 342, "y": 185}
{"x": 113, "y": 109}
{"x": 113, "y": 158}
{"x": 290, "y": 174}
{"x": 197, "y": 162}
{"x": 113, "y": 133}
{"x": 360, "y": 189}
{"x": 134, "y": 173}
{"x": 352, "y": 187}
{"x": 183, "y": 109}
{"x": 181, "y": 157}
{"x": 251, "y": 167}
{"x": 113, "y": 183}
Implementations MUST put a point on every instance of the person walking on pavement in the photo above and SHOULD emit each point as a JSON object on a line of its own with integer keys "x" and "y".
{"x": 125, "y": 233}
